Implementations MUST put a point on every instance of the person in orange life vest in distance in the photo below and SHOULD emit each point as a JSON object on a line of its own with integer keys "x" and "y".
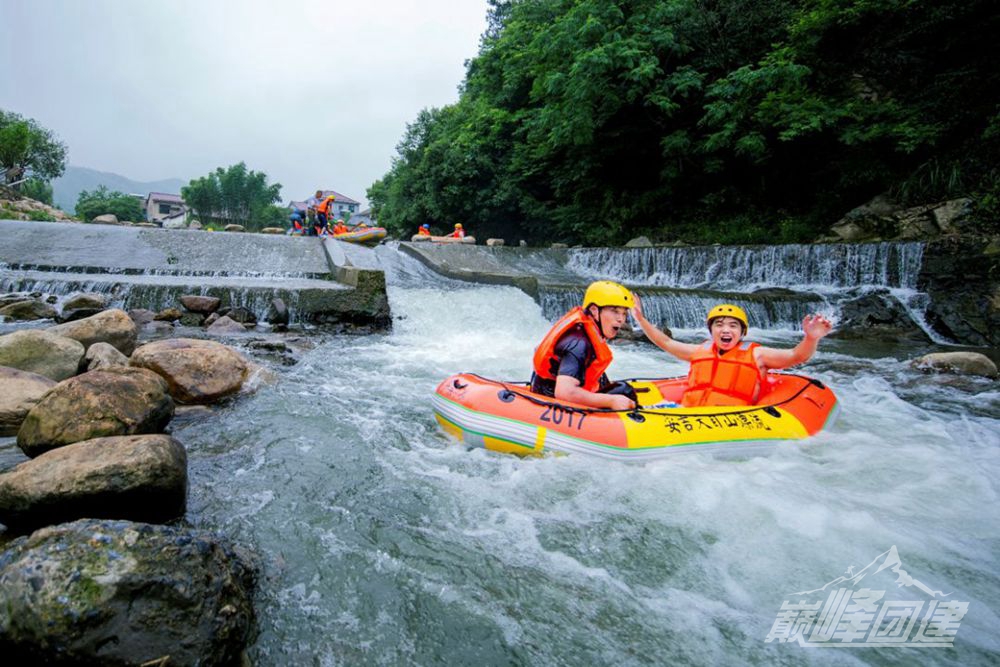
{"x": 322, "y": 211}
{"x": 728, "y": 370}
{"x": 570, "y": 361}
{"x": 459, "y": 233}
{"x": 424, "y": 230}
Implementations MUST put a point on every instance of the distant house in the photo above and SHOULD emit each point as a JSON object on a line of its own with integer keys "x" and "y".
{"x": 159, "y": 205}
{"x": 364, "y": 217}
{"x": 343, "y": 206}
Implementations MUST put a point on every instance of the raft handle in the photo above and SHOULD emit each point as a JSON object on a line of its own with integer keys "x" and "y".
{"x": 636, "y": 416}
{"x": 458, "y": 384}
{"x": 505, "y": 395}
{"x": 771, "y": 410}
{"x": 817, "y": 383}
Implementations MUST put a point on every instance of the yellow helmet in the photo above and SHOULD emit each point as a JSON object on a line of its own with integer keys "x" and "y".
{"x": 458, "y": 225}
{"x": 729, "y": 310}
{"x": 606, "y": 293}
{"x": 331, "y": 197}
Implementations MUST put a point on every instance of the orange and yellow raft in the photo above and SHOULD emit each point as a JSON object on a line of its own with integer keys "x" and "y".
{"x": 507, "y": 417}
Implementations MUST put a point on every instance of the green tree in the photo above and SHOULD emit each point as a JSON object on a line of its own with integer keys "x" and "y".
{"x": 37, "y": 189}
{"x": 102, "y": 201}
{"x": 234, "y": 195}
{"x": 28, "y": 149}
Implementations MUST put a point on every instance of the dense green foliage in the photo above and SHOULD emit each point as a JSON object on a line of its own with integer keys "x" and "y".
{"x": 37, "y": 189}
{"x": 234, "y": 195}
{"x": 706, "y": 120}
{"x": 102, "y": 201}
{"x": 28, "y": 149}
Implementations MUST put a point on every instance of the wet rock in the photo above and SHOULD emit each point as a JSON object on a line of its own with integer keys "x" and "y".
{"x": 111, "y": 326}
{"x": 13, "y": 297}
{"x": 106, "y": 402}
{"x": 211, "y": 319}
{"x": 107, "y": 219}
{"x": 19, "y": 392}
{"x": 192, "y": 319}
{"x": 201, "y": 304}
{"x": 141, "y": 316}
{"x": 272, "y": 230}
{"x": 154, "y": 330}
{"x": 224, "y": 325}
{"x": 880, "y": 316}
{"x": 494, "y": 242}
{"x": 277, "y": 314}
{"x": 961, "y": 275}
{"x": 559, "y": 246}
{"x": 42, "y": 352}
{"x": 103, "y": 355}
{"x": 123, "y": 593}
{"x": 168, "y": 315}
{"x": 966, "y": 363}
{"x": 242, "y": 315}
{"x": 80, "y": 306}
{"x": 28, "y": 310}
{"x": 135, "y": 477}
{"x": 234, "y": 228}
{"x": 197, "y": 371}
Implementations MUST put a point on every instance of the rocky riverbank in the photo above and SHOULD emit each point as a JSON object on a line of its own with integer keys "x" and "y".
{"x": 95, "y": 578}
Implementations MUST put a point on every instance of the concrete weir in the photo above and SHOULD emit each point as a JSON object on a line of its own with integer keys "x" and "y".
{"x": 152, "y": 268}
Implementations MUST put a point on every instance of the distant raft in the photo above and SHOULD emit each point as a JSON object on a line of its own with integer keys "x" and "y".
{"x": 507, "y": 417}
{"x": 362, "y": 235}
{"x": 421, "y": 238}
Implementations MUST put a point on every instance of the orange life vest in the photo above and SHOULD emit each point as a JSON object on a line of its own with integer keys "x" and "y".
{"x": 730, "y": 379}
{"x": 457, "y": 234}
{"x": 340, "y": 229}
{"x": 324, "y": 206}
{"x": 423, "y": 232}
{"x": 545, "y": 354}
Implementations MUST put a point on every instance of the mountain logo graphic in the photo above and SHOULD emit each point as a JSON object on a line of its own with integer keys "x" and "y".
{"x": 884, "y": 561}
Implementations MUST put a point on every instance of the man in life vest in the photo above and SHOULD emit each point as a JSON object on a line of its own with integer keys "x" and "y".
{"x": 311, "y": 205}
{"x": 297, "y": 228}
{"x": 424, "y": 230}
{"x": 570, "y": 361}
{"x": 459, "y": 233}
{"x": 728, "y": 370}
{"x": 322, "y": 213}
{"x": 340, "y": 228}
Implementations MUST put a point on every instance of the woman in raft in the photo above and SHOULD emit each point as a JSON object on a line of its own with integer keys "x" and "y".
{"x": 726, "y": 370}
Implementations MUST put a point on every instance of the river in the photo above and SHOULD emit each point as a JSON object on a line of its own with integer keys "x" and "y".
{"x": 383, "y": 542}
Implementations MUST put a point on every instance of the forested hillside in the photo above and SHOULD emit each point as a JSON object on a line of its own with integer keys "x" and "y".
{"x": 593, "y": 121}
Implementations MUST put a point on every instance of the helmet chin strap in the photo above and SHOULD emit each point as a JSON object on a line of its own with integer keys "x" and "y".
{"x": 597, "y": 320}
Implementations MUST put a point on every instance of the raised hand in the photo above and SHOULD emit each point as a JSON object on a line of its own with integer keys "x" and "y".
{"x": 816, "y": 326}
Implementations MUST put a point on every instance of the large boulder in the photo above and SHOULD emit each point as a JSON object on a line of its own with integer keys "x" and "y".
{"x": 224, "y": 325}
{"x": 103, "y": 355}
{"x": 197, "y": 371}
{"x": 111, "y": 401}
{"x": 197, "y": 303}
{"x": 107, "y": 219}
{"x": 134, "y": 477}
{"x": 879, "y": 316}
{"x": 28, "y": 310}
{"x": 112, "y": 326}
{"x": 98, "y": 592}
{"x": 82, "y": 305}
{"x": 42, "y": 352}
{"x": 965, "y": 363}
{"x": 19, "y": 392}
{"x": 961, "y": 275}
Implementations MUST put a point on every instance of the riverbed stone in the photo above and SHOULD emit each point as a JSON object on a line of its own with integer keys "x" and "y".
{"x": 106, "y": 402}
{"x": 103, "y": 355}
{"x": 100, "y": 592}
{"x": 42, "y": 352}
{"x": 19, "y": 392}
{"x": 197, "y": 371}
{"x": 107, "y": 219}
{"x": 134, "y": 477}
{"x": 277, "y": 313}
{"x": 961, "y": 275}
{"x": 234, "y": 228}
{"x": 28, "y": 310}
{"x": 224, "y": 325}
{"x": 169, "y": 315}
{"x": 880, "y": 316}
{"x": 242, "y": 315}
{"x": 965, "y": 363}
{"x": 111, "y": 326}
{"x": 197, "y": 303}
{"x": 82, "y": 305}
{"x": 141, "y": 316}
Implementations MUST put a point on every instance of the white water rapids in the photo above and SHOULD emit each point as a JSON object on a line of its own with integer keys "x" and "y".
{"x": 385, "y": 542}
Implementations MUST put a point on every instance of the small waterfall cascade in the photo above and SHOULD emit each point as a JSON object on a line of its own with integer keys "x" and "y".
{"x": 776, "y": 285}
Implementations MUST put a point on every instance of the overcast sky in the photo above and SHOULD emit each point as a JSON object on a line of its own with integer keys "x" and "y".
{"x": 314, "y": 93}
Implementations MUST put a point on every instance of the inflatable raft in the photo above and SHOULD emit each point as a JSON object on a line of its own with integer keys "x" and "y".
{"x": 507, "y": 417}
{"x": 364, "y": 235}
{"x": 421, "y": 238}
